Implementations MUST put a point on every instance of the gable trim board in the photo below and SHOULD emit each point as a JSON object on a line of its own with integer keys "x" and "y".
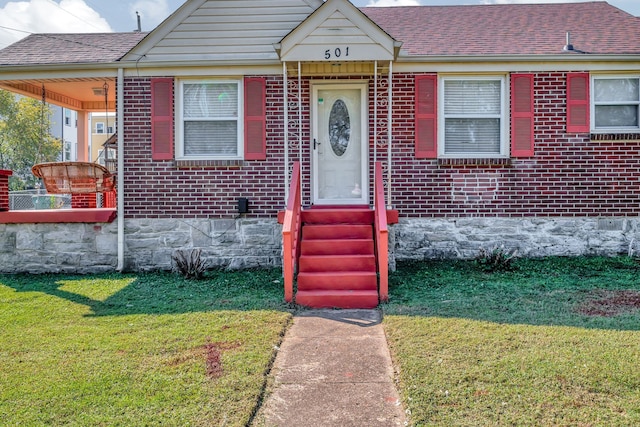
{"x": 337, "y": 31}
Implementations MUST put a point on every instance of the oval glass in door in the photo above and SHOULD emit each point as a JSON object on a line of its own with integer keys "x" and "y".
{"x": 339, "y": 127}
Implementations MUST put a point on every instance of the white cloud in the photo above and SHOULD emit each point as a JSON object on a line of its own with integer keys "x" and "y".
{"x": 386, "y": 3}
{"x": 47, "y": 16}
{"x": 152, "y": 12}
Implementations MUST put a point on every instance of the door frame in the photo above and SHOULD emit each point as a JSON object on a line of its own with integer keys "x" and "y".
{"x": 363, "y": 85}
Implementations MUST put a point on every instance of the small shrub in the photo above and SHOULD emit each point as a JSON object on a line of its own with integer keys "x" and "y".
{"x": 495, "y": 259}
{"x": 189, "y": 263}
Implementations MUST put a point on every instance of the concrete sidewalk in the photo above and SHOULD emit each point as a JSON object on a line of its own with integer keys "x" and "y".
{"x": 333, "y": 369}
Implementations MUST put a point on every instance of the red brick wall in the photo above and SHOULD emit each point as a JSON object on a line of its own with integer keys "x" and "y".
{"x": 570, "y": 174}
{"x": 83, "y": 200}
{"x": 159, "y": 189}
{"x": 4, "y": 189}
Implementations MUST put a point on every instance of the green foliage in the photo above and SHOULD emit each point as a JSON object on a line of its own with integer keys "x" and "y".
{"x": 516, "y": 347}
{"x": 496, "y": 259}
{"x": 24, "y": 138}
{"x": 134, "y": 350}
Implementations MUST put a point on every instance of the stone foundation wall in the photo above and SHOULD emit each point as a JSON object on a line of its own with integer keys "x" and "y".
{"x": 416, "y": 239}
{"x": 225, "y": 243}
{"x": 256, "y": 243}
{"x": 93, "y": 248}
{"x": 58, "y": 248}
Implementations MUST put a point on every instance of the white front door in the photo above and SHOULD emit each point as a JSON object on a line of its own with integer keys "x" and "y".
{"x": 340, "y": 144}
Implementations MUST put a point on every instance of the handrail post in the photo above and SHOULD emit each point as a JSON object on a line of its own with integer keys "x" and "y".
{"x": 291, "y": 232}
{"x": 382, "y": 234}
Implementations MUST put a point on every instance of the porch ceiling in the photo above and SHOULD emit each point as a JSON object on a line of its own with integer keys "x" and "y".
{"x": 80, "y": 94}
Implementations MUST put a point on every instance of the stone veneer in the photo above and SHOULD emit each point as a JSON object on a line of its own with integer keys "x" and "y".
{"x": 93, "y": 248}
{"x": 252, "y": 243}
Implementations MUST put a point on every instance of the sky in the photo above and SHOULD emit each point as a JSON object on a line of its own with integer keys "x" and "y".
{"x": 19, "y": 18}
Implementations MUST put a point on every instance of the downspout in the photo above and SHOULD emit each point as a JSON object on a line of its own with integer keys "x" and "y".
{"x": 120, "y": 168}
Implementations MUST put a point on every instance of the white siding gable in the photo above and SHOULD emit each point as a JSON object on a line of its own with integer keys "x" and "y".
{"x": 338, "y": 31}
{"x": 240, "y": 31}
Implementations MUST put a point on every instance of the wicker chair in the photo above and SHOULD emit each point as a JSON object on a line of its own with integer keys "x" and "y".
{"x": 74, "y": 177}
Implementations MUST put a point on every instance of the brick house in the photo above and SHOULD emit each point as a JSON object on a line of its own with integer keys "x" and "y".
{"x": 487, "y": 125}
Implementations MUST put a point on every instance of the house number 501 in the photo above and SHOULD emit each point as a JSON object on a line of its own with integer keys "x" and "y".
{"x": 336, "y": 53}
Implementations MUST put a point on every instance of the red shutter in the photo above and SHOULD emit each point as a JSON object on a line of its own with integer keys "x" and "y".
{"x": 578, "y": 102}
{"x": 255, "y": 118}
{"x": 522, "y": 115}
{"x": 426, "y": 117}
{"x": 162, "y": 119}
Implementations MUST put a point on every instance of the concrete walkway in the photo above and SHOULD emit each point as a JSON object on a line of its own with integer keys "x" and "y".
{"x": 333, "y": 369}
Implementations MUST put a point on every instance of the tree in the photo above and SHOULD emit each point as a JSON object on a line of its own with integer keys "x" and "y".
{"x": 24, "y": 138}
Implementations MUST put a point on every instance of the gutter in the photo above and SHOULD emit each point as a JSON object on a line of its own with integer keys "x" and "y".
{"x": 563, "y": 57}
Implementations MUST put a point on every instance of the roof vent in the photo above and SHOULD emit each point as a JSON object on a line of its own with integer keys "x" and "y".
{"x": 568, "y": 46}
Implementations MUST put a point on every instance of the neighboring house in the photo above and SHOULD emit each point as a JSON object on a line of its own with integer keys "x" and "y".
{"x": 493, "y": 124}
{"x": 64, "y": 125}
{"x": 102, "y": 127}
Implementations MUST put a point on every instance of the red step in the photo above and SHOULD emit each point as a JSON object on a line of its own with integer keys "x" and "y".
{"x": 337, "y": 247}
{"x": 339, "y": 231}
{"x": 338, "y": 216}
{"x": 343, "y": 280}
{"x": 320, "y": 263}
{"x": 337, "y": 299}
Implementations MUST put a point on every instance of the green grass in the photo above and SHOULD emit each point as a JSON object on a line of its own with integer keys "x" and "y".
{"x": 521, "y": 347}
{"x": 123, "y": 350}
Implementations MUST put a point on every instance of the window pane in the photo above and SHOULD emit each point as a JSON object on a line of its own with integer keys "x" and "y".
{"x": 616, "y": 90}
{"x": 616, "y": 116}
{"x": 472, "y": 136}
{"x": 218, "y": 138}
{"x": 208, "y": 100}
{"x": 469, "y": 97}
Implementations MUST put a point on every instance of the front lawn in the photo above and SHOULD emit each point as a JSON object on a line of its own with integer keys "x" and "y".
{"x": 125, "y": 350}
{"x": 555, "y": 342}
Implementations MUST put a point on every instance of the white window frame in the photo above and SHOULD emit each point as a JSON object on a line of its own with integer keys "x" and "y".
{"x": 503, "y": 116}
{"x": 179, "y": 146}
{"x": 592, "y": 106}
{"x": 99, "y": 128}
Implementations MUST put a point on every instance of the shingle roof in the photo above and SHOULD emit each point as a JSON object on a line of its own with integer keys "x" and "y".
{"x": 70, "y": 48}
{"x": 502, "y": 29}
{"x": 510, "y": 29}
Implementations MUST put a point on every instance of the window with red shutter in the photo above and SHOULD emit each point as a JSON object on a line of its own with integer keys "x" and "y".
{"x": 578, "y": 102}
{"x": 162, "y": 119}
{"x": 426, "y": 118}
{"x": 255, "y": 118}
{"x": 522, "y": 115}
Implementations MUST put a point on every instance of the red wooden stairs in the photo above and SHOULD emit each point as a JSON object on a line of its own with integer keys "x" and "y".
{"x": 337, "y": 264}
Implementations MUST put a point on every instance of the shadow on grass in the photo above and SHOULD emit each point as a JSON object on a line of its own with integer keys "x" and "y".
{"x": 551, "y": 291}
{"x": 159, "y": 293}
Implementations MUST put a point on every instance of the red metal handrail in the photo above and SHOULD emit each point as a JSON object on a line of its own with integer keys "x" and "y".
{"x": 382, "y": 233}
{"x": 291, "y": 232}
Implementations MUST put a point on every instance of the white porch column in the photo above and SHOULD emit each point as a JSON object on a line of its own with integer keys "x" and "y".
{"x": 83, "y": 136}
{"x": 389, "y": 134}
{"x": 285, "y": 104}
